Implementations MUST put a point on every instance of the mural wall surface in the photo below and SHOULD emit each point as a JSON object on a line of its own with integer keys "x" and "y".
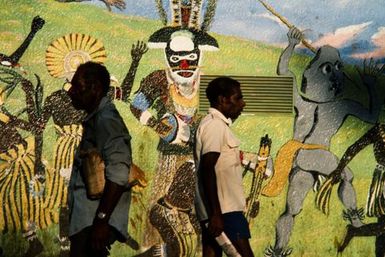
{"x": 313, "y": 176}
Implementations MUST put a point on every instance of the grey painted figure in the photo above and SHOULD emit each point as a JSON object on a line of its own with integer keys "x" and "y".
{"x": 320, "y": 111}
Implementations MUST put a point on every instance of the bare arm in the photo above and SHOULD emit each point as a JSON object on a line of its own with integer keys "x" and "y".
{"x": 209, "y": 180}
{"x": 110, "y": 198}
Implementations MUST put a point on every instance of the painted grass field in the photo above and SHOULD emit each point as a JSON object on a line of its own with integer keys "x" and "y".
{"x": 314, "y": 233}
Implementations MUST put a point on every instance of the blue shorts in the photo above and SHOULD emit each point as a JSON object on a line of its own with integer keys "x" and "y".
{"x": 236, "y": 226}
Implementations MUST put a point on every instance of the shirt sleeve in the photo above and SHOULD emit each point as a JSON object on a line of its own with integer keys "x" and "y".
{"x": 114, "y": 141}
{"x": 212, "y": 136}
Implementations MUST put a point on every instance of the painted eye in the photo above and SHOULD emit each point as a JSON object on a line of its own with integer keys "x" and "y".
{"x": 326, "y": 69}
{"x": 174, "y": 58}
{"x": 338, "y": 66}
{"x": 192, "y": 57}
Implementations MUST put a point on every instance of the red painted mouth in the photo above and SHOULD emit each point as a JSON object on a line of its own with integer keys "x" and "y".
{"x": 185, "y": 74}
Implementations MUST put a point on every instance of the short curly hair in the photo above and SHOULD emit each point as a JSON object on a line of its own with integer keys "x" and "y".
{"x": 94, "y": 73}
{"x": 221, "y": 86}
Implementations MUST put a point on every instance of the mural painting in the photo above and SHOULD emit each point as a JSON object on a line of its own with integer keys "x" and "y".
{"x": 337, "y": 97}
{"x": 21, "y": 180}
{"x": 173, "y": 93}
{"x": 319, "y": 113}
{"x": 48, "y": 187}
{"x": 375, "y": 201}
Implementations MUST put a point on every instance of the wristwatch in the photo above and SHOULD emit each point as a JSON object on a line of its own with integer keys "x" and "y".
{"x": 101, "y": 215}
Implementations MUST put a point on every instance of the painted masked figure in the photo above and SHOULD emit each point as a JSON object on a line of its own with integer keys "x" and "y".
{"x": 172, "y": 94}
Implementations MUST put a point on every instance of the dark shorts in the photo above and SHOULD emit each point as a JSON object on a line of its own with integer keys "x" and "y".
{"x": 236, "y": 226}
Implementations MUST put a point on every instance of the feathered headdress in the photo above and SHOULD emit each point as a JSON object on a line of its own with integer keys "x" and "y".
{"x": 185, "y": 16}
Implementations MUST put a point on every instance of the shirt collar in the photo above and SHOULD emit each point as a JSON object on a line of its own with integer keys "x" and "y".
{"x": 220, "y": 115}
{"x": 102, "y": 103}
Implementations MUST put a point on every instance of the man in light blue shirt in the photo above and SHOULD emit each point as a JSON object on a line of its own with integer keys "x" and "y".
{"x": 96, "y": 224}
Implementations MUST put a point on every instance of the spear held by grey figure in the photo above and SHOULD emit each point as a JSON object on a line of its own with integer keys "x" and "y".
{"x": 287, "y": 23}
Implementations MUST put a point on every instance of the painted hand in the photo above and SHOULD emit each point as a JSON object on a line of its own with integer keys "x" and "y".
{"x": 294, "y": 35}
{"x": 138, "y": 49}
{"x": 37, "y": 23}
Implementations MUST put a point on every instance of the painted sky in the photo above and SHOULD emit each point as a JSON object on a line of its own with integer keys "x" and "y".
{"x": 356, "y": 27}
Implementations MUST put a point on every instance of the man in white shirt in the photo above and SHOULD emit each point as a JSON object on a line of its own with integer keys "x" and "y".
{"x": 220, "y": 199}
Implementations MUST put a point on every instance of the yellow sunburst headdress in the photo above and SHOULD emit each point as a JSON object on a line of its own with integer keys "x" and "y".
{"x": 66, "y": 53}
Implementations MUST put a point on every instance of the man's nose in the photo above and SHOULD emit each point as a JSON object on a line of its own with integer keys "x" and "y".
{"x": 243, "y": 103}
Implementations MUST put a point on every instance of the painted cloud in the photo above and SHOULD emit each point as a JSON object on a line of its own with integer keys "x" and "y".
{"x": 378, "y": 39}
{"x": 341, "y": 36}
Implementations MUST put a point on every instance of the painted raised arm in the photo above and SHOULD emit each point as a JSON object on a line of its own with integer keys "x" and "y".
{"x": 294, "y": 37}
{"x": 137, "y": 52}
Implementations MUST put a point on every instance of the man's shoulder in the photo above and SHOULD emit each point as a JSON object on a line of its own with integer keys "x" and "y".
{"x": 109, "y": 116}
{"x": 108, "y": 111}
{"x": 212, "y": 123}
{"x": 212, "y": 119}
{"x": 108, "y": 121}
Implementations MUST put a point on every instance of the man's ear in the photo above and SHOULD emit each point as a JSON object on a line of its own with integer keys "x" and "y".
{"x": 97, "y": 89}
{"x": 221, "y": 99}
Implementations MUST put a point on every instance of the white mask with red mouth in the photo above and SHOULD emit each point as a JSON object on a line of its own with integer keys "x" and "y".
{"x": 183, "y": 60}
